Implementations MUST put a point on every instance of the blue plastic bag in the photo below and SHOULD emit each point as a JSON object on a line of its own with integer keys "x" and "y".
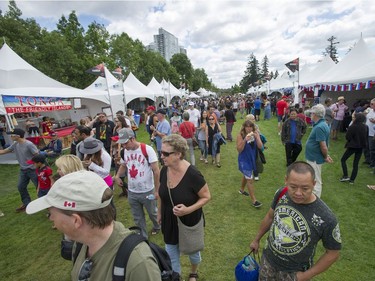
{"x": 247, "y": 269}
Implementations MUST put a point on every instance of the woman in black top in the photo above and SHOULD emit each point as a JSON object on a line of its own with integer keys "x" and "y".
{"x": 189, "y": 192}
{"x": 356, "y": 141}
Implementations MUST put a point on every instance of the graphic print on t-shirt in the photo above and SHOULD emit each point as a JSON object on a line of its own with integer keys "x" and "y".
{"x": 290, "y": 232}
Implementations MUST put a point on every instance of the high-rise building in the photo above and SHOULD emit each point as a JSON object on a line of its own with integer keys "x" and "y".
{"x": 166, "y": 44}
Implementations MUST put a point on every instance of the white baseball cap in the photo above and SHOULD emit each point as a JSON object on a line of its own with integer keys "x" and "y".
{"x": 78, "y": 191}
{"x": 191, "y": 103}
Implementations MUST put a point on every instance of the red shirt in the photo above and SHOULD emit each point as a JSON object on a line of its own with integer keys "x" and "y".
{"x": 187, "y": 129}
{"x": 281, "y": 106}
{"x": 44, "y": 179}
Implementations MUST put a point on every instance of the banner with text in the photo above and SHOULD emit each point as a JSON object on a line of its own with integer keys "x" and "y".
{"x": 18, "y": 104}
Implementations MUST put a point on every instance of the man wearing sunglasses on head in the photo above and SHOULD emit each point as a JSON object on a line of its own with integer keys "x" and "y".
{"x": 79, "y": 205}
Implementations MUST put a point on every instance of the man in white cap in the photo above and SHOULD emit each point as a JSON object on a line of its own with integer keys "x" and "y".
{"x": 79, "y": 205}
{"x": 141, "y": 163}
{"x": 339, "y": 108}
{"x": 194, "y": 115}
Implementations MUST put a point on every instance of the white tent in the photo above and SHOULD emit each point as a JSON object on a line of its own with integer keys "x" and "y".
{"x": 19, "y": 78}
{"x": 169, "y": 91}
{"x": 317, "y": 73}
{"x": 135, "y": 89}
{"x": 193, "y": 96}
{"x": 155, "y": 87}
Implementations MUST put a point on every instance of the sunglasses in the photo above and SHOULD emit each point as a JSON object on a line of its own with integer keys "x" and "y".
{"x": 166, "y": 154}
{"x": 85, "y": 270}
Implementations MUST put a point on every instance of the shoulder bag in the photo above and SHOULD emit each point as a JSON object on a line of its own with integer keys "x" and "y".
{"x": 190, "y": 238}
{"x": 195, "y": 142}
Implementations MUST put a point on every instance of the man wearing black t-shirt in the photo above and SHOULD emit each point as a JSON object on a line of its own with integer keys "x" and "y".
{"x": 104, "y": 130}
{"x": 296, "y": 222}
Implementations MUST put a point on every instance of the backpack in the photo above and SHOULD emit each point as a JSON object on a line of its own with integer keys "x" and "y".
{"x": 174, "y": 127}
{"x": 161, "y": 256}
{"x": 123, "y": 254}
{"x": 143, "y": 149}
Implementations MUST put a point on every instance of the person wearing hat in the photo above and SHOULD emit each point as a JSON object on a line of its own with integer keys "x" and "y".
{"x": 141, "y": 164}
{"x": 96, "y": 159}
{"x": 162, "y": 129}
{"x": 24, "y": 151}
{"x": 79, "y": 206}
{"x": 316, "y": 149}
{"x": 103, "y": 130}
{"x": 151, "y": 119}
{"x": 54, "y": 148}
{"x": 281, "y": 108}
{"x": 194, "y": 115}
{"x": 43, "y": 172}
{"x": 339, "y": 108}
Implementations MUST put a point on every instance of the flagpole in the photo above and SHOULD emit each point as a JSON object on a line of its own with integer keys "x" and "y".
{"x": 109, "y": 95}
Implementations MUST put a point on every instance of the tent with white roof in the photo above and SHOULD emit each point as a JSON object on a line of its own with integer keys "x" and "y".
{"x": 169, "y": 91}
{"x": 155, "y": 87}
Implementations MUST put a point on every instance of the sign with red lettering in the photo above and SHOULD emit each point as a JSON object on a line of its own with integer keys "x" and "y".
{"x": 18, "y": 104}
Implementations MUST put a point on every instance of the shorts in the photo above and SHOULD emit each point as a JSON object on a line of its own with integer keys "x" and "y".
{"x": 279, "y": 117}
{"x": 256, "y": 111}
{"x": 336, "y": 124}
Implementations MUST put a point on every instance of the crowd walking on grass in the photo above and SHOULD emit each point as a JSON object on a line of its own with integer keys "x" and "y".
{"x": 161, "y": 177}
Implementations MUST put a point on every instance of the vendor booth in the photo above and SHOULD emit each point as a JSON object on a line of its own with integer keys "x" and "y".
{"x": 27, "y": 95}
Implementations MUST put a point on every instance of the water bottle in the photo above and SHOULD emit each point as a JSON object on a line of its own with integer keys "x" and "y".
{"x": 151, "y": 197}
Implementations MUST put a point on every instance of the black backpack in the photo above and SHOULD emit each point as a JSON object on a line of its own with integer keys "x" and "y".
{"x": 125, "y": 249}
{"x": 123, "y": 254}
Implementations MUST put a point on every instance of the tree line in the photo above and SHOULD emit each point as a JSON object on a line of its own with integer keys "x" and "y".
{"x": 65, "y": 53}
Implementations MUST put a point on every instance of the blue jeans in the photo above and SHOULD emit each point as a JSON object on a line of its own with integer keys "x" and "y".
{"x": 136, "y": 202}
{"x": 203, "y": 148}
{"x": 42, "y": 192}
{"x": 174, "y": 253}
{"x": 23, "y": 180}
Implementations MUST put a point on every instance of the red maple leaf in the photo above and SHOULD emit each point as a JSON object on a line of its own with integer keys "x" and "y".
{"x": 133, "y": 172}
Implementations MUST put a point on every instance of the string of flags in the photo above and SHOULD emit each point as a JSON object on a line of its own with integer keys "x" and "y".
{"x": 340, "y": 88}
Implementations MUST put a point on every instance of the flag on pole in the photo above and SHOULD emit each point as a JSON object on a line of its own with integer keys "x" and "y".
{"x": 117, "y": 71}
{"x": 97, "y": 70}
{"x": 293, "y": 65}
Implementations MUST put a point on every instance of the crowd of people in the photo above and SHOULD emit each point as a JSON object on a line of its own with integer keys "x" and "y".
{"x": 161, "y": 177}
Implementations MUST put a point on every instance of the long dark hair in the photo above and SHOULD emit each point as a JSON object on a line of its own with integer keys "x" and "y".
{"x": 203, "y": 120}
{"x": 247, "y": 123}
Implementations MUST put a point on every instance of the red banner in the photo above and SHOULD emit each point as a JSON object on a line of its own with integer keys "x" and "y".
{"x": 17, "y": 104}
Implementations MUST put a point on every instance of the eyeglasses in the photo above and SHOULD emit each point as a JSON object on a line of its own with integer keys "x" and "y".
{"x": 166, "y": 154}
{"x": 85, "y": 270}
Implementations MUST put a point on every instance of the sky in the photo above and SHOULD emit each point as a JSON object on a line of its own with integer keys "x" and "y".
{"x": 219, "y": 35}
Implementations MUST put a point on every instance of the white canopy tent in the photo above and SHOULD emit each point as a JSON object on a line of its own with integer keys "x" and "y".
{"x": 155, "y": 87}
{"x": 169, "y": 91}
{"x": 193, "y": 96}
{"x": 317, "y": 72}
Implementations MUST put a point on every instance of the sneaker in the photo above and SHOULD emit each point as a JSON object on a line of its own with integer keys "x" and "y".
{"x": 201, "y": 158}
{"x": 243, "y": 192}
{"x": 218, "y": 165}
{"x": 205, "y": 161}
{"x": 351, "y": 182}
{"x": 257, "y": 204}
{"x": 256, "y": 178}
{"x": 155, "y": 231}
{"x": 1, "y": 214}
{"x": 21, "y": 209}
{"x": 343, "y": 179}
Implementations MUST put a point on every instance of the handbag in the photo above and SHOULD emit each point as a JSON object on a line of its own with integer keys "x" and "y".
{"x": 195, "y": 142}
{"x": 190, "y": 238}
{"x": 247, "y": 269}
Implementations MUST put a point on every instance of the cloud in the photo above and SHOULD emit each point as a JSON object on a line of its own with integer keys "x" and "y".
{"x": 220, "y": 35}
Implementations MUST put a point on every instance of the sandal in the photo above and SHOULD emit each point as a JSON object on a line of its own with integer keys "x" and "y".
{"x": 193, "y": 275}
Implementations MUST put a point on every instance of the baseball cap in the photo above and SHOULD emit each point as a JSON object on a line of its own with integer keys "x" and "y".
{"x": 161, "y": 111}
{"x": 39, "y": 158}
{"x": 77, "y": 191}
{"x": 150, "y": 107}
{"x": 17, "y": 131}
{"x": 191, "y": 103}
{"x": 53, "y": 134}
{"x": 124, "y": 135}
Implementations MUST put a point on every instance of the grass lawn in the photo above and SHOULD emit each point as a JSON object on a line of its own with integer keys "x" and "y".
{"x": 29, "y": 247}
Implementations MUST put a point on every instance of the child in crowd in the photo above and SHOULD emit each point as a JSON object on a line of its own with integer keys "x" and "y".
{"x": 44, "y": 173}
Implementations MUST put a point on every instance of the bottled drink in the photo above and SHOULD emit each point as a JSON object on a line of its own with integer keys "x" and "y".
{"x": 151, "y": 197}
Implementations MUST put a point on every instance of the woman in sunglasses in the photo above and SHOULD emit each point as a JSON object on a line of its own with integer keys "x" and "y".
{"x": 213, "y": 147}
{"x": 183, "y": 184}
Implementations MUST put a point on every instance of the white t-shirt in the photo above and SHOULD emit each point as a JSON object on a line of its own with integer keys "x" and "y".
{"x": 194, "y": 116}
{"x": 104, "y": 171}
{"x": 140, "y": 175}
{"x": 370, "y": 125}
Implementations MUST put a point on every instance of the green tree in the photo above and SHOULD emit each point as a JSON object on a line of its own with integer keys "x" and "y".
{"x": 183, "y": 67}
{"x": 200, "y": 80}
{"x": 252, "y": 75}
{"x": 264, "y": 69}
{"x": 331, "y": 49}
{"x": 97, "y": 41}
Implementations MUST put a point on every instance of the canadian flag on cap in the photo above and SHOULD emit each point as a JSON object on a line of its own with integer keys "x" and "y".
{"x": 69, "y": 204}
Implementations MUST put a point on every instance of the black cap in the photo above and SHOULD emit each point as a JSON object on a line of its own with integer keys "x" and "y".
{"x": 161, "y": 111}
{"x": 38, "y": 158}
{"x": 17, "y": 131}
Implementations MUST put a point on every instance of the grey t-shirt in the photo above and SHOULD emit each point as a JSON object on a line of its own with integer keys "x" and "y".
{"x": 329, "y": 115}
{"x": 24, "y": 152}
{"x": 296, "y": 230}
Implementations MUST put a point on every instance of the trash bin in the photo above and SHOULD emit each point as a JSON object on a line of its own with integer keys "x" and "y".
{"x": 137, "y": 119}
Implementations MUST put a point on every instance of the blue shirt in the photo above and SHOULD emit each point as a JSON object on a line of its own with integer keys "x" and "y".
{"x": 164, "y": 128}
{"x": 257, "y": 104}
{"x": 320, "y": 132}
